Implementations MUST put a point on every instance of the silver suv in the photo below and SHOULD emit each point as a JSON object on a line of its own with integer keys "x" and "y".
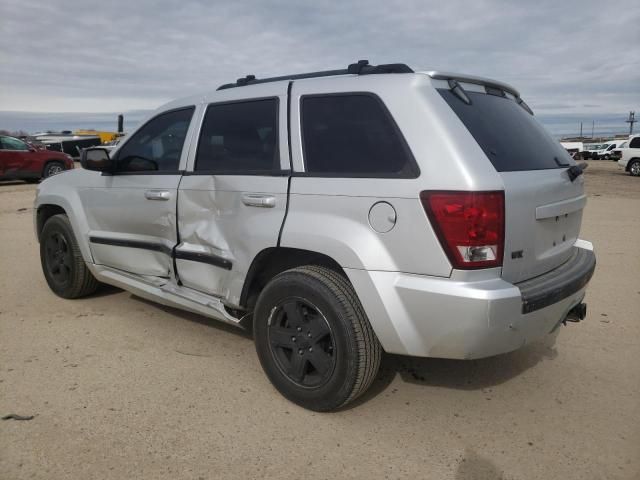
{"x": 338, "y": 215}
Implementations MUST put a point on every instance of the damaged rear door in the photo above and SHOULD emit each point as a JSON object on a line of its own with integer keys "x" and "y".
{"x": 233, "y": 198}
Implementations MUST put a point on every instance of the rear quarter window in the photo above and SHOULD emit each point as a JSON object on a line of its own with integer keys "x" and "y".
{"x": 511, "y": 138}
{"x": 353, "y": 135}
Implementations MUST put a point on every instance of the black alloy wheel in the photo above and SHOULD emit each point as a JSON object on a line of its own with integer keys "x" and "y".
{"x": 301, "y": 342}
{"x": 58, "y": 259}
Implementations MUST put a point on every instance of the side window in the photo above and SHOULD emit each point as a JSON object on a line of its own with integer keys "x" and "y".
{"x": 10, "y": 143}
{"x": 634, "y": 143}
{"x": 353, "y": 135}
{"x": 157, "y": 146}
{"x": 239, "y": 137}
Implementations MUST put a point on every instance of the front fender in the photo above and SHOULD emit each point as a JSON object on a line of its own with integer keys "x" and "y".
{"x": 62, "y": 191}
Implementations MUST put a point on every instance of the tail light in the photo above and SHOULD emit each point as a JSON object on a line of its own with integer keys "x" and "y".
{"x": 469, "y": 225}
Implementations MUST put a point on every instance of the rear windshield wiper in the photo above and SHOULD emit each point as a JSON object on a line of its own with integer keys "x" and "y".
{"x": 458, "y": 91}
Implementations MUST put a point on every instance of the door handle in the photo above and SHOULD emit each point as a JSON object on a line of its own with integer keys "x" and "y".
{"x": 157, "y": 195}
{"x": 258, "y": 200}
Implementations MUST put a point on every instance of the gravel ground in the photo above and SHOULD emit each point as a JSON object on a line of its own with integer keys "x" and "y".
{"x": 123, "y": 388}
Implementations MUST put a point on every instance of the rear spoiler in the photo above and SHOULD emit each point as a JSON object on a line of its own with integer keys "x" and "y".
{"x": 475, "y": 80}
{"x": 454, "y": 78}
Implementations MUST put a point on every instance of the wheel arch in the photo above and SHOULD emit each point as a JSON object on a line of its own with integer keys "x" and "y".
{"x": 631, "y": 160}
{"x": 274, "y": 260}
{"x": 50, "y": 202}
{"x": 44, "y": 213}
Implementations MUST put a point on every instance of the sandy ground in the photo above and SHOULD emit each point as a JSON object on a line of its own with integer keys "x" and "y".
{"x": 122, "y": 388}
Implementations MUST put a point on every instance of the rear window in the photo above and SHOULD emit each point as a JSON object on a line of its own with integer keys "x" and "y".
{"x": 510, "y": 137}
{"x": 353, "y": 135}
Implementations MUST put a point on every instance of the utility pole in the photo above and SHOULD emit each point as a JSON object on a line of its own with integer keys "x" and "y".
{"x": 593, "y": 126}
{"x": 580, "y": 129}
{"x": 631, "y": 120}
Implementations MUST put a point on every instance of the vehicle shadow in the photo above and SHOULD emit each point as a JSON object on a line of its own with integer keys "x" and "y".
{"x": 105, "y": 290}
{"x": 197, "y": 318}
{"x": 11, "y": 183}
{"x": 458, "y": 374}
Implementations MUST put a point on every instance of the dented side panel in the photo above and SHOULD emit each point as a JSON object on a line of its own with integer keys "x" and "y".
{"x": 215, "y": 221}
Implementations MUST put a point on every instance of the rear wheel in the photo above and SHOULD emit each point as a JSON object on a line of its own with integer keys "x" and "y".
{"x": 52, "y": 168}
{"x": 314, "y": 340}
{"x": 634, "y": 168}
{"x": 62, "y": 263}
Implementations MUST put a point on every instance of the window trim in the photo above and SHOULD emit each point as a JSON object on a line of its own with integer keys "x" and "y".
{"x": 413, "y": 164}
{"x": 259, "y": 173}
{"x": 177, "y": 171}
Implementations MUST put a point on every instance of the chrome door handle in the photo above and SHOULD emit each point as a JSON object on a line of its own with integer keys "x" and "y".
{"x": 258, "y": 200}
{"x": 157, "y": 195}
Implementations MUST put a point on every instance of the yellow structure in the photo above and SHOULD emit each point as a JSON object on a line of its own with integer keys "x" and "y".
{"x": 104, "y": 136}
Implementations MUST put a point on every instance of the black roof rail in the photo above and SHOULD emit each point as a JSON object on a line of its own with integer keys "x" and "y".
{"x": 362, "y": 67}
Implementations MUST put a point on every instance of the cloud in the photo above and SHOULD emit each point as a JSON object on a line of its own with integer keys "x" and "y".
{"x": 73, "y": 55}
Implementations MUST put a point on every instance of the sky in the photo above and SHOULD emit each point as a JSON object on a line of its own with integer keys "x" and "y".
{"x": 569, "y": 59}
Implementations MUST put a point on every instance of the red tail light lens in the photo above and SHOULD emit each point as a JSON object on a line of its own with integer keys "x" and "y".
{"x": 469, "y": 225}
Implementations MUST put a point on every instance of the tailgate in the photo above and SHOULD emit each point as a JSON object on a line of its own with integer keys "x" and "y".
{"x": 543, "y": 213}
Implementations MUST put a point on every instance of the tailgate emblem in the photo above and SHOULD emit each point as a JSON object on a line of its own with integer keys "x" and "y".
{"x": 517, "y": 254}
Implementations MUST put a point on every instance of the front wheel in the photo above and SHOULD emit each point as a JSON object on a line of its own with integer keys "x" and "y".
{"x": 314, "y": 340}
{"x": 634, "y": 168}
{"x": 52, "y": 168}
{"x": 62, "y": 263}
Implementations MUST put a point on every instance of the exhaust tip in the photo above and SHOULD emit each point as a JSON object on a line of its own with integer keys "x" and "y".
{"x": 577, "y": 313}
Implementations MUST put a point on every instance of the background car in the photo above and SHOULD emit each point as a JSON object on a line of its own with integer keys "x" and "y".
{"x": 20, "y": 161}
{"x": 630, "y": 156}
{"x": 590, "y": 151}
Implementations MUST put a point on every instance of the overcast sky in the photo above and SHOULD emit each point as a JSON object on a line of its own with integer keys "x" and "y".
{"x": 569, "y": 57}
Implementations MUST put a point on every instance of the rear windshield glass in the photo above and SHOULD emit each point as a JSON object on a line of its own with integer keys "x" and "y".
{"x": 511, "y": 137}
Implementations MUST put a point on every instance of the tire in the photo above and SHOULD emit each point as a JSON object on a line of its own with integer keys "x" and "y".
{"x": 634, "y": 168}
{"x": 320, "y": 309}
{"x": 62, "y": 263}
{"x": 52, "y": 168}
{"x": 606, "y": 157}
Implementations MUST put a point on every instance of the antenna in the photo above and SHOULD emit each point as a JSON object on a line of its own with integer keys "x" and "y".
{"x": 631, "y": 120}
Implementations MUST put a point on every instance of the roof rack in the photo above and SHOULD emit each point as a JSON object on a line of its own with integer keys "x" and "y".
{"x": 362, "y": 67}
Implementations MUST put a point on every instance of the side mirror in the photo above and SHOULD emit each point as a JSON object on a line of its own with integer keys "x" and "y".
{"x": 97, "y": 159}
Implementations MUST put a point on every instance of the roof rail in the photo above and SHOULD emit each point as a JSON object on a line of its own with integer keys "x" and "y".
{"x": 362, "y": 67}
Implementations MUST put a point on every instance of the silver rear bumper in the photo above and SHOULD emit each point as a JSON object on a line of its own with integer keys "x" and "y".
{"x": 439, "y": 317}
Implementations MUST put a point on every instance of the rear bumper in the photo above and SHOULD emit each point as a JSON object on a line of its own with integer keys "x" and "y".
{"x": 440, "y": 317}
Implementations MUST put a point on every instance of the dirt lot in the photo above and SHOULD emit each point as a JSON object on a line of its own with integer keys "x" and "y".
{"x": 122, "y": 388}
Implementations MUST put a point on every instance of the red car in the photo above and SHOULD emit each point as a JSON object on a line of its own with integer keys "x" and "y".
{"x": 19, "y": 161}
